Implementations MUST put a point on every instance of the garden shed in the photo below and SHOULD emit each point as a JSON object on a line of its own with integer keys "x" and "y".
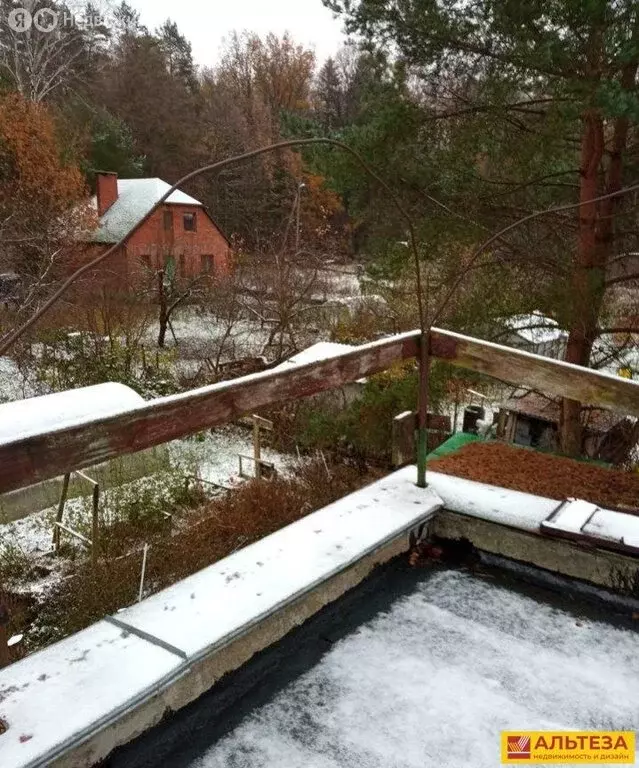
{"x": 533, "y": 420}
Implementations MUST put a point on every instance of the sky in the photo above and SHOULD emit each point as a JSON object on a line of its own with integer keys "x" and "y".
{"x": 206, "y": 22}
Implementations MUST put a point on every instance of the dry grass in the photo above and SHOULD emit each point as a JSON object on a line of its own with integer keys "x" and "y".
{"x": 247, "y": 514}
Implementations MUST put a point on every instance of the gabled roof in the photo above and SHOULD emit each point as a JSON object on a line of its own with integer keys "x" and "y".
{"x": 136, "y": 198}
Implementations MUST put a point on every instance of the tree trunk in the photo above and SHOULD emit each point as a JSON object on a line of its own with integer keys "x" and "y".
{"x": 586, "y": 290}
{"x": 596, "y": 241}
{"x": 164, "y": 314}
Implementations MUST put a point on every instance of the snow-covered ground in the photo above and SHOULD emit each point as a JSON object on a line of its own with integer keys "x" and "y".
{"x": 16, "y": 383}
{"x": 213, "y": 458}
{"x": 434, "y": 681}
{"x": 198, "y": 330}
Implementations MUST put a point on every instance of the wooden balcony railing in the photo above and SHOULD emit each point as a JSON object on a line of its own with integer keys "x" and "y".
{"x": 33, "y": 459}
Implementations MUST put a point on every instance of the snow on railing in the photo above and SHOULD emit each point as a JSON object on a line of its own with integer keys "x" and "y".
{"x": 32, "y": 459}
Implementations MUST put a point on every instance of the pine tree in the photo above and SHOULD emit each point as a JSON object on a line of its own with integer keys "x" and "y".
{"x": 572, "y": 63}
{"x": 329, "y": 96}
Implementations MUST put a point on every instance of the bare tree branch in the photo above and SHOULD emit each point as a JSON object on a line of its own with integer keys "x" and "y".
{"x": 518, "y": 223}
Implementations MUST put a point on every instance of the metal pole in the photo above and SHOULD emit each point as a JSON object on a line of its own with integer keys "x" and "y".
{"x": 143, "y": 574}
{"x": 422, "y": 424}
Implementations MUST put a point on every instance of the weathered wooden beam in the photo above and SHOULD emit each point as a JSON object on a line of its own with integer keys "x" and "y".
{"x": 552, "y": 377}
{"x": 262, "y": 423}
{"x": 41, "y": 457}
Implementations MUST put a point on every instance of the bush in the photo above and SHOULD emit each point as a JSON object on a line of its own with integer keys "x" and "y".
{"x": 137, "y": 511}
{"x": 82, "y": 359}
{"x": 252, "y": 511}
{"x": 364, "y": 427}
{"x": 14, "y": 562}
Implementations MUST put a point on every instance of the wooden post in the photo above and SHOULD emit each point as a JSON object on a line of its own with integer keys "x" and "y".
{"x": 403, "y": 439}
{"x": 60, "y": 514}
{"x": 258, "y": 424}
{"x": 404, "y": 430}
{"x": 501, "y": 423}
{"x": 95, "y": 538}
{"x": 257, "y": 449}
{"x": 4, "y": 635}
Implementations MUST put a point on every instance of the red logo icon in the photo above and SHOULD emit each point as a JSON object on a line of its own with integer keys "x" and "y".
{"x": 519, "y": 747}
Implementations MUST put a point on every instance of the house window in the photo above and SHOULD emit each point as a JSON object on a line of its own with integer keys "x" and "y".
{"x": 146, "y": 260}
{"x": 190, "y": 222}
{"x": 207, "y": 264}
{"x": 168, "y": 221}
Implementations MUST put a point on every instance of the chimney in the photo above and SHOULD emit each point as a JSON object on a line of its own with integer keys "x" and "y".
{"x": 107, "y": 191}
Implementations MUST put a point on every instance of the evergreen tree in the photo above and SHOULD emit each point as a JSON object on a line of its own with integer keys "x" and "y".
{"x": 178, "y": 54}
{"x": 329, "y": 96}
{"x": 562, "y": 70}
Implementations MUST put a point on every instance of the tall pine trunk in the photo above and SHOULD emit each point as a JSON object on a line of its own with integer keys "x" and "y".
{"x": 585, "y": 296}
{"x": 595, "y": 247}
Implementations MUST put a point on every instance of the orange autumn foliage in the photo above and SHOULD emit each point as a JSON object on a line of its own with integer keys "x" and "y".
{"x": 36, "y": 187}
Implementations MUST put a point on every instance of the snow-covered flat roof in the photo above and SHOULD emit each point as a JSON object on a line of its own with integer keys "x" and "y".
{"x": 42, "y": 697}
{"x": 136, "y": 198}
{"x": 54, "y": 696}
{"x": 435, "y": 679}
{"x": 37, "y": 415}
{"x": 489, "y": 502}
{"x": 578, "y": 518}
{"x": 281, "y": 566}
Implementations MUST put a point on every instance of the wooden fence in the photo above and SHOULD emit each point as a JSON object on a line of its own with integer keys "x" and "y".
{"x": 33, "y": 459}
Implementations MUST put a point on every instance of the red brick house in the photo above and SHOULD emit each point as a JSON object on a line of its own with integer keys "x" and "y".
{"x": 180, "y": 229}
